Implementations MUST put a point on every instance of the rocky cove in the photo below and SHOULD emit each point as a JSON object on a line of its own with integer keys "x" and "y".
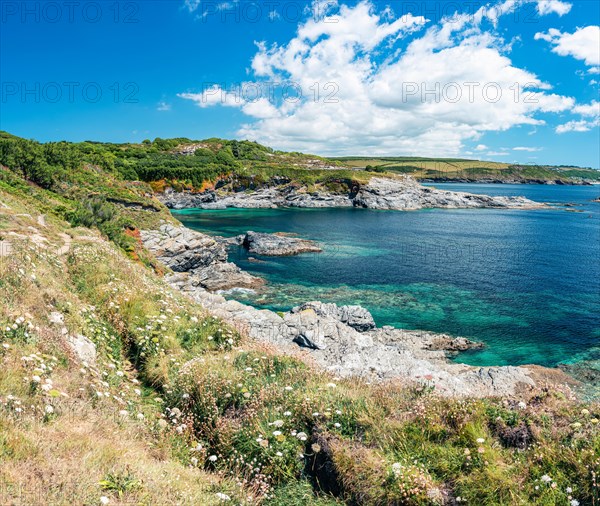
{"x": 341, "y": 339}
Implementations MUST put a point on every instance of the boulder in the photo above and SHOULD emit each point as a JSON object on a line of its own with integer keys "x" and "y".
{"x": 83, "y": 347}
{"x": 356, "y": 317}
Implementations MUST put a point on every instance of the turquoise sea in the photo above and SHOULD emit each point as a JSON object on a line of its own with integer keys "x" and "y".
{"x": 527, "y": 283}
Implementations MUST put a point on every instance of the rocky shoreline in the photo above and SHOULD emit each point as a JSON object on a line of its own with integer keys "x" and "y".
{"x": 402, "y": 193}
{"x": 343, "y": 340}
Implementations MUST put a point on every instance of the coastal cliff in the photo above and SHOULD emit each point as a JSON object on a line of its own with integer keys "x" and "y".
{"x": 401, "y": 193}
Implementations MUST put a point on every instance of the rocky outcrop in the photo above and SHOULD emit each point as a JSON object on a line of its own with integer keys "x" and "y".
{"x": 201, "y": 260}
{"x": 408, "y": 194}
{"x": 402, "y": 193}
{"x": 278, "y": 244}
{"x": 320, "y": 336}
{"x": 356, "y": 317}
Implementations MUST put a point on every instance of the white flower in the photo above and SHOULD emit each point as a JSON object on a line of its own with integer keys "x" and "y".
{"x": 331, "y": 385}
{"x": 288, "y": 388}
{"x": 337, "y": 425}
{"x": 546, "y": 478}
{"x": 137, "y": 391}
{"x": 277, "y": 423}
{"x": 522, "y": 405}
{"x": 316, "y": 414}
{"x": 223, "y": 497}
{"x": 277, "y": 433}
{"x": 574, "y": 502}
{"x": 36, "y": 379}
{"x": 6, "y": 346}
{"x": 279, "y": 454}
{"x": 49, "y": 409}
{"x": 480, "y": 440}
{"x": 213, "y": 458}
{"x": 194, "y": 461}
{"x": 140, "y": 416}
{"x": 185, "y": 396}
{"x": 301, "y": 436}
{"x": 104, "y": 500}
{"x": 287, "y": 413}
{"x": 123, "y": 412}
{"x": 120, "y": 374}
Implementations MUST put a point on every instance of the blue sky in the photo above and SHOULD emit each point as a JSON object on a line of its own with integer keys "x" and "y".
{"x": 512, "y": 80}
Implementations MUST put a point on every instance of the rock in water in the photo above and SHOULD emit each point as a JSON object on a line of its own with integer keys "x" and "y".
{"x": 278, "y": 245}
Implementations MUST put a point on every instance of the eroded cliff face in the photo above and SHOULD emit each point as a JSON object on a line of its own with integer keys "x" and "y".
{"x": 403, "y": 193}
{"x": 341, "y": 339}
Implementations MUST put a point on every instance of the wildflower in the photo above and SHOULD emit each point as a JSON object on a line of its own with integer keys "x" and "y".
{"x": 287, "y": 413}
{"x": 104, "y": 500}
{"x": 480, "y": 440}
{"x": 315, "y": 447}
{"x": 576, "y": 425}
{"x": 574, "y": 502}
{"x": 36, "y": 379}
{"x": 481, "y": 449}
{"x": 315, "y": 414}
{"x": 277, "y": 433}
{"x": 6, "y": 346}
{"x": 162, "y": 423}
{"x": 594, "y": 421}
{"x": 213, "y": 458}
{"x": 277, "y": 423}
{"x": 137, "y": 391}
{"x": 49, "y": 410}
{"x": 140, "y": 416}
{"x": 223, "y": 497}
{"x": 288, "y": 388}
{"x": 522, "y": 405}
{"x": 279, "y": 454}
{"x": 301, "y": 436}
{"x": 546, "y": 478}
{"x": 123, "y": 412}
{"x": 331, "y": 385}
{"x": 120, "y": 374}
{"x": 569, "y": 490}
{"x": 194, "y": 461}
{"x": 337, "y": 425}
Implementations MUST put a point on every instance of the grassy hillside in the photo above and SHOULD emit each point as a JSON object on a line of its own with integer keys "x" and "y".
{"x": 178, "y": 408}
{"x": 453, "y": 168}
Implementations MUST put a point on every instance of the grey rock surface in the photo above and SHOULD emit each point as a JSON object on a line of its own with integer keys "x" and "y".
{"x": 402, "y": 193}
{"x": 278, "y": 245}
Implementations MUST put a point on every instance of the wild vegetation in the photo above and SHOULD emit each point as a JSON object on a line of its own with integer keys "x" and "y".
{"x": 180, "y": 408}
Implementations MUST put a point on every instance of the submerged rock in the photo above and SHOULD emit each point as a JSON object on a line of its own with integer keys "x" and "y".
{"x": 278, "y": 245}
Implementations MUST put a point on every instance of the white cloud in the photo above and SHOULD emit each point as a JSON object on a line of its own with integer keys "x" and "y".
{"x": 497, "y": 153}
{"x": 528, "y": 149}
{"x": 450, "y": 84}
{"x": 481, "y": 147}
{"x": 591, "y": 109}
{"x": 214, "y": 95}
{"x": 163, "y": 106}
{"x": 577, "y": 126}
{"x": 549, "y": 6}
{"x": 583, "y": 44}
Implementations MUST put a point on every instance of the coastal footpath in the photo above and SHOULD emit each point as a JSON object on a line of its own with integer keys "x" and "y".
{"x": 401, "y": 193}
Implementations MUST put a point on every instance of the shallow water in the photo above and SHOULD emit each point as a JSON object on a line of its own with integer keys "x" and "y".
{"x": 527, "y": 283}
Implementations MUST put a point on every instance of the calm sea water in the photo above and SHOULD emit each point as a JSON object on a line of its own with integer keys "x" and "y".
{"x": 527, "y": 283}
